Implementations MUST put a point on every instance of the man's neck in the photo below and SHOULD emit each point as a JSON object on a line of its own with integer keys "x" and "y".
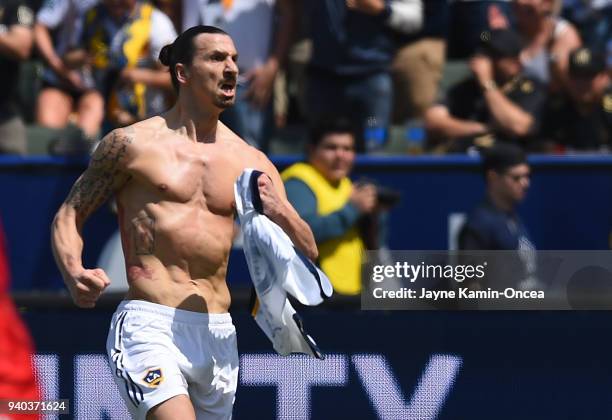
{"x": 500, "y": 202}
{"x": 199, "y": 124}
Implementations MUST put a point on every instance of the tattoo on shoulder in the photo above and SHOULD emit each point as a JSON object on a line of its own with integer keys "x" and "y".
{"x": 112, "y": 148}
{"x": 104, "y": 174}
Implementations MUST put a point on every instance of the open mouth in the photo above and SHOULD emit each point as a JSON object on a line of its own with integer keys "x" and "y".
{"x": 228, "y": 88}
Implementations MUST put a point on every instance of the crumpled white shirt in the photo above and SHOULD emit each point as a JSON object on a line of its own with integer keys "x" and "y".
{"x": 277, "y": 268}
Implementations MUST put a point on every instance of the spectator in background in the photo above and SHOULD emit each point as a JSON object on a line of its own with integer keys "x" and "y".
{"x": 121, "y": 41}
{"x": 324, "y": 196}
{"x": 494, "y": 225}
{"x": 65, "y": 90}
{"x": 593, "y": 19}
{"x": 17, "y": 380}
{"x": 583, "y": 122}
{"x": 499, "y": 100}
{"x": 548, "y": 38}
{"x": 174, "y": 10}
{"x": 469, "y": 19}
{"x": 263, "y": 47}
{"x": 418, "y": 65}
{"x": 16, "y": 20}
{"x": 353, "y": 45}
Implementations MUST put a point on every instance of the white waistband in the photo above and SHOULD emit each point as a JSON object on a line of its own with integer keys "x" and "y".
{"x": 174, "y": 314}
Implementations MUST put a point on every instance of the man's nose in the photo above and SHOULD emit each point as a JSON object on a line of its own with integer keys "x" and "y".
{"x": 231, "y": 68}
{"x": 525, "y": 181}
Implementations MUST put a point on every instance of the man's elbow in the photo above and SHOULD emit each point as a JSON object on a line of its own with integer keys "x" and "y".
{"x": 430, "y": 118}
{"x": 23, "y": 53}
{"x": 54, "y": 223}
{"x": 23, "y": 48}
{"x": 56, "y": 228}
{"x": 313, "y": 252}
{"x": 310, "y": 246}
{"x": 522, "y": 127}
{"x": 67, "y": 215}
{"x": 434, "y": 121}
{"x": 23, "y": 41}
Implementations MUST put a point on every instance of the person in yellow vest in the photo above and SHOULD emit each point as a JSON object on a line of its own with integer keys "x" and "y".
{"x": 324, "y": 196}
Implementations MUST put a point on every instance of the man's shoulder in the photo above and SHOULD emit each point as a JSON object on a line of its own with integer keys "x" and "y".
{"x": 115, "y": 145}
{"x": 142, "y": 131}
{"x": 133, "y": 136}
{"x": 483, "y": 216}
{"x": 226, "y": 133}
{"x": 239, "y": 146}
{"x": 152, "y": 123}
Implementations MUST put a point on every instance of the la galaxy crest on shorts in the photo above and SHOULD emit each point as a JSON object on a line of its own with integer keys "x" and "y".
{"x": 153, "y": 377}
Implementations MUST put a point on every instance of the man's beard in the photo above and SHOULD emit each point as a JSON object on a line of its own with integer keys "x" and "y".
{"x": 224, "y": 103}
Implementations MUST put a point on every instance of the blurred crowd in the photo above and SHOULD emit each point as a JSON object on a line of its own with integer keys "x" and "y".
{"x": 412, "y": 76}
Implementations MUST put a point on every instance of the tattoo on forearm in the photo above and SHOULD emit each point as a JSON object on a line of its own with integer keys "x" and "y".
{"x": 143, "y": 235}
{"x": 103, "y": 176}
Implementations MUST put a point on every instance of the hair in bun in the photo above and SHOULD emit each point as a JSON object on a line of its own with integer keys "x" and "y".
{"x": 164, "y": 54}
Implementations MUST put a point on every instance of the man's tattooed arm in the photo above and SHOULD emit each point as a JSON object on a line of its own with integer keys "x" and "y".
{"x": 104, "y": 176}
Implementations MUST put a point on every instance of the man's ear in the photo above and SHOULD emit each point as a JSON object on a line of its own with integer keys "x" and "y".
{"x": 309, "y": 149}
{"x": 491, "y": 176}
{"x": 182, "y": 72}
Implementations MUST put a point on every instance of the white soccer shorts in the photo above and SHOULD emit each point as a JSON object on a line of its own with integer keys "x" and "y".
{"x": 157, "y": 352}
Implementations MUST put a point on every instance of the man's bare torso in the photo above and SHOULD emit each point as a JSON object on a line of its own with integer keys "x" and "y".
{"x": 176, "y": 214}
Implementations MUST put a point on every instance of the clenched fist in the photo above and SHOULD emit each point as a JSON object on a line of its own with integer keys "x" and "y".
{"x": 270, "y": 200}
{"x": 87, "y": 286}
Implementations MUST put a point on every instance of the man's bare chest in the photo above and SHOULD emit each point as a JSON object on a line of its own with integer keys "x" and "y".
{"x": 197, "y": 175}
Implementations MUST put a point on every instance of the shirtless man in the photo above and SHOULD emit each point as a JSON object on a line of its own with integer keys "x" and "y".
{"x": 172, "y": 345}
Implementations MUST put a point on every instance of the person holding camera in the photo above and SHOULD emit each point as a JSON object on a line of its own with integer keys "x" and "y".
{"x": 324, "y": 196}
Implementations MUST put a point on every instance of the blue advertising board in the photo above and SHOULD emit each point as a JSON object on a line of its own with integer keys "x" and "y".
{"x": 569, "y": 206}
{"x": 379, "y": 365}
